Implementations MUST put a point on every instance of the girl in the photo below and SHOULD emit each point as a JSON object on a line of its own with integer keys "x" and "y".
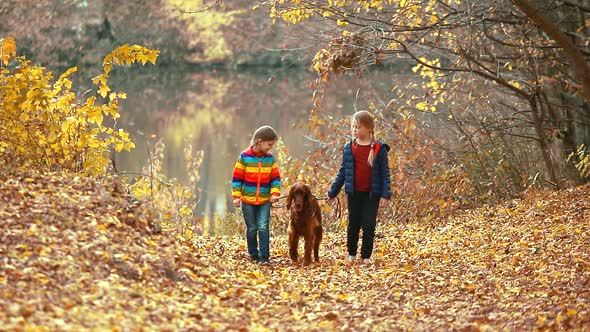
{"x": 255, "y": 185}
{"x": 364, "y": 172}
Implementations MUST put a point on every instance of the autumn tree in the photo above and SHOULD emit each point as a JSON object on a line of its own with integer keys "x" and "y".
{"x": 535, "y": 68}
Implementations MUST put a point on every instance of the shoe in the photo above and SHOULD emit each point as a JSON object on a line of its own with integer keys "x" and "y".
{"x": 367, "y": 261}
{"x": 264, "y": 261}
{"x": 254, "y": 258}
{"x": 351, "y": 258}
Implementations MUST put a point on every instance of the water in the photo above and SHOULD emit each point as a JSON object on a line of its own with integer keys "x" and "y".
{"x": 217, "y": 112}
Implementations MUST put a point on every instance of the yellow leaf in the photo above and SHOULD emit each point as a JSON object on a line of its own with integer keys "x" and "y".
{"x": 90, "y": 101}
{"x": 94, "y": 143}
{"x": 104, "y": 90}
{"x": 103, "y": 284}
{"x": 297, "y": 315}
{"x": 143, "y": 58}
{"x": 559, "y": 318}
{"x": 516, "y": 84}
{"x": 119, "y": 146}
{"x": 153, "y": 56}
{"x": 188, "y": 233}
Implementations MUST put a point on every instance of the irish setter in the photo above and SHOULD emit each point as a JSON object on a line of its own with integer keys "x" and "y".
{"x": 306, "y": 222}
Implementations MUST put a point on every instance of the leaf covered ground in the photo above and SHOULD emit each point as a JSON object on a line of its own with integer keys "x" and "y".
{"x": 77, "y": 255}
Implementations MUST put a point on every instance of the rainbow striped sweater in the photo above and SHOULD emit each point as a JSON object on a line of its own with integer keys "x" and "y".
{"x": 256, "y": 177}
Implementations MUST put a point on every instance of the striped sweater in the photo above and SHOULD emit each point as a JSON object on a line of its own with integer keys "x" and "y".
{"x": 256, "y": 177}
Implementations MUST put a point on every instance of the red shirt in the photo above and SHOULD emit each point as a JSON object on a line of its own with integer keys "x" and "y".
{"x": 362, "y": 170}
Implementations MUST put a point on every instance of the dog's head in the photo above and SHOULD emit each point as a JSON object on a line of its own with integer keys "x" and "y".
{"x": 299, "y": 196}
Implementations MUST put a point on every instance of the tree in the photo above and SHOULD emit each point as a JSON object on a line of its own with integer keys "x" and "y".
{"x": 489, "y": 41}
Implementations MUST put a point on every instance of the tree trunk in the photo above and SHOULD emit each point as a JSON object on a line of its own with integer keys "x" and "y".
{"x": 543, "y": 142}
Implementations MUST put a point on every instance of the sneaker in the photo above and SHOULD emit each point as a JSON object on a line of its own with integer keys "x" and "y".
{"x": 367, "y": 261}
{"x": 264, "y": 261}
{"x": 351, "y": 258}
{"x": 254, "y": 258}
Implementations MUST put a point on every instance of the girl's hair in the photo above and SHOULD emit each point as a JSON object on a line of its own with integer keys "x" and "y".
{"x": 264, "y": 133}
{"x": 365, "y": 118}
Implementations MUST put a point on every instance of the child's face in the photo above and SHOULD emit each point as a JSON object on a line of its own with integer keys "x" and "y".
{"x": 264, "y": 146}
{"x": 359, "y": 131}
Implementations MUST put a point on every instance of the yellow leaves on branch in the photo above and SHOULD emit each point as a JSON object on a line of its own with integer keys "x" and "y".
{"x": 7, "y": 50}
{"x": 295, "y": 15}
{"x": 124, "y": 55}
{"x": 294, "y": 11}
{"x": 43, "y": 126}
{"x": 428, "y": 69}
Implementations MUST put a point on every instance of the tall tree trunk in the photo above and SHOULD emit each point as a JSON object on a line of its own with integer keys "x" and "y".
{"x": 537, "y": 122}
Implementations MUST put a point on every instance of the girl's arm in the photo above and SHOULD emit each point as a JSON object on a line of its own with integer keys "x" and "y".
{"x": 385, "y": 175}
{"x": 238, "y": 179}
{"x": 338, "y": 180}
{"x": 275, "y": 182}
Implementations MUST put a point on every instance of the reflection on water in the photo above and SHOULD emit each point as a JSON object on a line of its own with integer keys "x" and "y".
{"x": 216, "y": 112}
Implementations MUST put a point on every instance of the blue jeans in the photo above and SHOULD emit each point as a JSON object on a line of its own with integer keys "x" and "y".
{"x": 257, "y": 218}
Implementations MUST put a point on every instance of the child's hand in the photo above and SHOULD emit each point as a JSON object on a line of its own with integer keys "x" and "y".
{"x": 383, "y": 202}
{"x": 237, "y": 202}
{"x": 274, "y": 199}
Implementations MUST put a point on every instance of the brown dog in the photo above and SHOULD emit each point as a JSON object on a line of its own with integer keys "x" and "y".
{"x": 306, "y": 221}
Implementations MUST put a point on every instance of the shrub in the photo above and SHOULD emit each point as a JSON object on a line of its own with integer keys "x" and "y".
{"x": 44, "y": 127}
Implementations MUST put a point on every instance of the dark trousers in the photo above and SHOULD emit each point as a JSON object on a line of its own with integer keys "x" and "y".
{"x": 362, "y": 214}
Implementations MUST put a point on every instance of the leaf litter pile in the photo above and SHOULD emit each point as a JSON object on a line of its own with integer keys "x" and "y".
{"x": 78, "y": 255}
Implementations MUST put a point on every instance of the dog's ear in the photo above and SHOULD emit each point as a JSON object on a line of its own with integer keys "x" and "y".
{"x": 309, "y": 195}
{"x": 290, "y": 198}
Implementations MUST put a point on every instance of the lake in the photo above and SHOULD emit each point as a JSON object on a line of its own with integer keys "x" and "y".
{"x": 216, "y": 111}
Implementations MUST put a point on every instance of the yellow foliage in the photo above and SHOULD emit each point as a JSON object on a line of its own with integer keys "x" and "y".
{"x": 208, "y": 24}
{"x": 7, "y": 49}
{"x": 583, "y": 163}
{"x": 42, "y": 126}
{"x": 173, "y": 202}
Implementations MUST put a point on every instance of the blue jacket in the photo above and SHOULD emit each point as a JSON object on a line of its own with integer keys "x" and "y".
{"x": 380, "y": 180}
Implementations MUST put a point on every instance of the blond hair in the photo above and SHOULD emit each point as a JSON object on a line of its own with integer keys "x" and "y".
{"x": 264, "y": 133}
{"x": 366, "y": 119}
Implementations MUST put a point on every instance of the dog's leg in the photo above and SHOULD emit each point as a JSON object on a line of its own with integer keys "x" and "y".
{"x": 309, "y": 239}
{"x": 293, "y": 243}
{"x": 316, "y": 244}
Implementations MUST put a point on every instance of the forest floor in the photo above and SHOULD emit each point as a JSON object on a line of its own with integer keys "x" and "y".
{"x": 77, "y": 256}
